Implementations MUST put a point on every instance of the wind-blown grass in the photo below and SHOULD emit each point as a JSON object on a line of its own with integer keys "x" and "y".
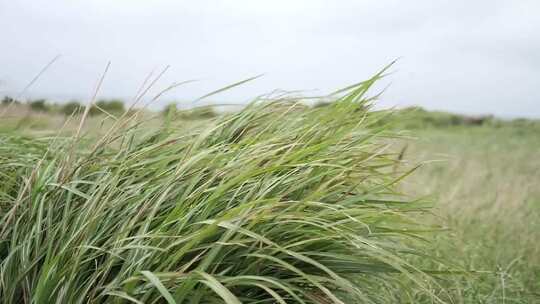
{"x": 277, "y": 203}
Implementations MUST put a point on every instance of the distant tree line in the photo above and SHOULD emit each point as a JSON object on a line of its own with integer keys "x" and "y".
{"x": 416, "y": 117}
{"x": 110, "y": 106}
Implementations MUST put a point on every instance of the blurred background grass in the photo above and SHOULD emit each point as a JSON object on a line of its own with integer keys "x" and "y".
{"x": 485, "y": 185}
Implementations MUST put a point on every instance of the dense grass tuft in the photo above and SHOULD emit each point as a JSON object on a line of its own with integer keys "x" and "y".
{"x": 277, "y": 203}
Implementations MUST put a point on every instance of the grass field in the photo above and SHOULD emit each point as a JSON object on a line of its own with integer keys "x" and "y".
{"x": 481, "y": 236}
{"x": 486, "y": 188}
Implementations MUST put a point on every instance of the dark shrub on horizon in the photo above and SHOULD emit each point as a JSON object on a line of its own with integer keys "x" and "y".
{"x": 170, "y": 109}
{"x": 72, "y": 107}
{"x": 39, "y": 105}
{"x": 9, "y": 100}
{"x": 417, "y": 117}
{"x": 320, "y": 104}
{"x": 206, "y": 112}
{"x": 114, "y": 107}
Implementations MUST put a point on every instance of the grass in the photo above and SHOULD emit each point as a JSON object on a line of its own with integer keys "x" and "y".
{"x": 486, "y": 188}
{"x": 278, "y": 203}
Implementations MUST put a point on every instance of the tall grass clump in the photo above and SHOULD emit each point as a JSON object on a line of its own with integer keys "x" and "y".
{"x": 277, "y": 203}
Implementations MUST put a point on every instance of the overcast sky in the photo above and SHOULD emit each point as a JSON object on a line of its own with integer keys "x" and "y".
{"x": 473, "y": 57}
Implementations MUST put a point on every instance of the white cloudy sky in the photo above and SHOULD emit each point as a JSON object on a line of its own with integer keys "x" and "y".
{"x": 478, "y": 56}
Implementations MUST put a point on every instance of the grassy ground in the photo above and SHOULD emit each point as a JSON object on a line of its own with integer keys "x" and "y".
{"x": 486, "y": 186}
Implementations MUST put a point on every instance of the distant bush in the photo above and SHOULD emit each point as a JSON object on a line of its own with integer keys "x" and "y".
{"x": 524, "y": 123}
{"x": 320, "y": 104}
{"x": 39, "y": 105}
{"x": 8, "y": 100}
{"x": 417, "y": 117}
{"x": 72, "y": 107}
{"x": 197, "y": 113}
{"x": 169, "y": 110}
{"x": 113, "y": 107}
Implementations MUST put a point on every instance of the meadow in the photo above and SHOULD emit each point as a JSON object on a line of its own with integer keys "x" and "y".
{"x": 277, "y": 203}
{"x": 484, "y": 182}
